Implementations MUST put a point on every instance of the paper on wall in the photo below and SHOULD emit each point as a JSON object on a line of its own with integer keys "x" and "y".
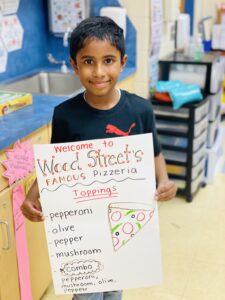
{"x": 3, "y": 57}
{"x": 9, "y": 6}
{"x": 12, "y": 33}
{"x": 155, "y": 41}
{"x": 19, "y": 162}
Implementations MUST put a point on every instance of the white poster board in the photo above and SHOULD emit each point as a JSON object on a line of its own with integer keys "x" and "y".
{"x": 100, "y": 214}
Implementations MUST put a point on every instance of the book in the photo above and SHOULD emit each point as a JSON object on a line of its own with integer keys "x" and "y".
{"x": 12, "y": 101}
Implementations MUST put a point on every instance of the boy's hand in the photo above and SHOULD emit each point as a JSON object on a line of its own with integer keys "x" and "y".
{"x": 166, "y": 190}
{"x": 31, "y": 209}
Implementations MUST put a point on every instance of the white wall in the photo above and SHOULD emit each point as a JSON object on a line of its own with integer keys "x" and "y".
{"x": 139, "y": 14}
{"x": 167, "y": 42}
{"x": 208, "y": 9}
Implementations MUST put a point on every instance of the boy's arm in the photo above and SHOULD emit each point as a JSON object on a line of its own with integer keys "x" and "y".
{"x": 166, "y": 189}
{"x": 31, "y": 207}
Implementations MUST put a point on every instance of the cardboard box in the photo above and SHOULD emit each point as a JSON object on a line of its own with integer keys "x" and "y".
{"x": 12, "y": 101}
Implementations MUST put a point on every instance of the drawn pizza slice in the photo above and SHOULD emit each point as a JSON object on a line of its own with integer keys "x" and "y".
{"x": 127, "y": 219}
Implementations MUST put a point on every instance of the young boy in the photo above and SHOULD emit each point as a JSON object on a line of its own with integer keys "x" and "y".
{"x": 97, "y": 55}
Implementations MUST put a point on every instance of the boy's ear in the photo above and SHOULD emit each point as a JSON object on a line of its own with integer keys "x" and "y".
{"x": 74, "y": 65}
{"x": 123, "y": 62}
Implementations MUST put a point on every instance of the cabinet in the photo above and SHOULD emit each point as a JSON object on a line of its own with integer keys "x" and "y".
{"x": 9, "y": 287}
{"x": 183, "y": 136}
{"x": 40, "y": 275}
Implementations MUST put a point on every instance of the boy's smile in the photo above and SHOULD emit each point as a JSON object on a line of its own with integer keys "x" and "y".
{"x": 98, "y": 66}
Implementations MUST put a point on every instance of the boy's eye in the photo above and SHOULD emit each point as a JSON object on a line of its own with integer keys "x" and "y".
{"x": 88, "y": 61}
{"x": 109, "y": 61}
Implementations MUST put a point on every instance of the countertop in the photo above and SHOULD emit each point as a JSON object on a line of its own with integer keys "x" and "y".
{"x": 208, "y": 58}
{"x": 20, "y": 123}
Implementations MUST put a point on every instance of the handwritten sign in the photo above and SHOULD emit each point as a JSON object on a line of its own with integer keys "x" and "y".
{"x": 100, "y": 214}
{"x": 20, "y": 161}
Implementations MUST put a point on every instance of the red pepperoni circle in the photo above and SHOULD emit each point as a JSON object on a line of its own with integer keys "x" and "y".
{"x": 128, "y": 228}
{"x": 140, "y": 216}
{"x": 115, "y": 241}
{"x": 116, "y": 216}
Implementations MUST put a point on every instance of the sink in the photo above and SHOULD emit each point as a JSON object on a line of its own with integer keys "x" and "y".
{"x": 48, "y": 83}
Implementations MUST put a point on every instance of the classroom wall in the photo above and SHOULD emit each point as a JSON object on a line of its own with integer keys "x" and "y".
{"x": 38, "y": 41}
{"x": 208, "y": 9}
{"x": 167, "y": 43}
{"x": 32, "y": 54}
{"x": 139, "y": 13}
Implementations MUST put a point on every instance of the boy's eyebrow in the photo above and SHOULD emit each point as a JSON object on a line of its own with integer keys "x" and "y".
{"x": 105, "y": 56}
{"x": 87, "y": 56}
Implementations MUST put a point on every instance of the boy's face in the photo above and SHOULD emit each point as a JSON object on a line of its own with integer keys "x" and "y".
{"x": 98, "y": 66}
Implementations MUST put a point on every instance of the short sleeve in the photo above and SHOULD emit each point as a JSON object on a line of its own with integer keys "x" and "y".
{"x": 59, "y": 129}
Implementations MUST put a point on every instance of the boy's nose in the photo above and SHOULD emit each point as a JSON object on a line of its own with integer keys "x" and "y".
{"x": 99, "y": 70}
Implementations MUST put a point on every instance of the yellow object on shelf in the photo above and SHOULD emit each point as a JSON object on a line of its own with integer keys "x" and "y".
{"x": 12, "y": 101}
{"x": 178, "y": 170}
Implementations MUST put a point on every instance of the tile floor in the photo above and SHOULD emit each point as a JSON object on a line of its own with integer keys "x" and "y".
{"x": 193, "y": 249}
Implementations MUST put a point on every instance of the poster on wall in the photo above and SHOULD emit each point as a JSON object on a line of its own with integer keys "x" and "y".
{"x": 156, "y": 32}
{"x": 66, "y": 14}
{"x": 101, "y": 217}
{"x": 3, "y": 57}
{"x": 9, "y": 6}
{"x": 12, "y": 33}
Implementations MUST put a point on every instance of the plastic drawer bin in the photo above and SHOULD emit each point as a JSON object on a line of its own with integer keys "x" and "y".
{"x": 182, "y": 171}
{"x": 171, "y": 126}
{"x": 183, "y": 112}
{"x": 188, "y": 73}
{"x": 182, "y": 142}
{"x": 181, "y": 184}
{"x": 215, "y": 157}
{"x": 182, "y": 128}
{"x": 212, "y": 130}
{"x": 160, "y": 110}
{"x": 195, "y": 183}
{"x": 177, "y": 156}
{"x": 173, "y": 141}
{"x": 200, "y": 127}
{"x": 214, "y": 105}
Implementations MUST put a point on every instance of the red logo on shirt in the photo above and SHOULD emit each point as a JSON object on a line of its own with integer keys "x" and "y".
{"x": 113, "y": 129}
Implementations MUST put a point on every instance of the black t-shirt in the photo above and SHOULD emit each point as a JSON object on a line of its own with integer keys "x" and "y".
{"x": 75, "y": 120}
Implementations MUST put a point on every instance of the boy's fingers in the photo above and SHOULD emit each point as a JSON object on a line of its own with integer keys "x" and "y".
{"x": 165, "y": 187}
{"x": 32, "y": 211}
{"x": 33, "y": 218}
{"x": 166, "y": 191}
{"x": 166, "y": 196}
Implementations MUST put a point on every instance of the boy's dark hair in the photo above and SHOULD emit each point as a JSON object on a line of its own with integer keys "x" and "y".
{"x": 96, "y": 28}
